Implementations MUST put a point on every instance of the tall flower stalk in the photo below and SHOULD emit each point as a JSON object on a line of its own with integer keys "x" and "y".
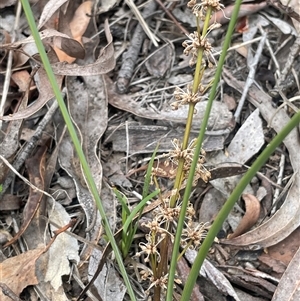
{"x": 162, "y": 229}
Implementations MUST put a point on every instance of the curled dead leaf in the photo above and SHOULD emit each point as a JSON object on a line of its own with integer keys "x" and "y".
{"x": 66, "y": 47}
{"x": 78, "y": 26}
{"x": 251, "y": 216}
{"x": 45, "y": 94}
{"x": 50, "y": 8}
{"x": 105, "y": 62}
{"x": 81, "y": 19}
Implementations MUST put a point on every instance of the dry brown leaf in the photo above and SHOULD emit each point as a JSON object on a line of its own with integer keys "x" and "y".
{"x": 49, "y": 9}
{"x": 22, "y": 79}
{"x": 50, "y": 37}
{"x": 45, "y": 94}
{"x": 19, "y": 272}
{"x": 251, "y": 216}
{"x": 286, "y": 249}
{"x": 81, "y": 19}
{"x": 78, "y": 26}
{"x": 68, "y": 50}
{"x": 289, "y": 285}
{"x": 46, "y": 36}
{"x": 35, "y": 167}
{"x": 105, "y": 62}
{"x": 65, "y": 245}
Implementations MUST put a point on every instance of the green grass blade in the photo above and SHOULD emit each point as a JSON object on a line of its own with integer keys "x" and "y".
{"x": 222, "y": 215}
{"x": 122, "y": 199}
{"x": 139, "y": 208}
{"x": 148, "y": 174}
{"x": 71, "y": 129}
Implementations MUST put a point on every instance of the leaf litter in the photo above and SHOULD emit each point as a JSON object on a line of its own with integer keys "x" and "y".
{"x": 119, "y": 131}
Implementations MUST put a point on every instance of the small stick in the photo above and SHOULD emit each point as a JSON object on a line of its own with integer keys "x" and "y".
{"x": 279, "y": 182}
{"x": 250, "y": 79}
{"x": 130, "y": 57}
{"x": 8, "y": 73}
{"x": 171, "y": 16}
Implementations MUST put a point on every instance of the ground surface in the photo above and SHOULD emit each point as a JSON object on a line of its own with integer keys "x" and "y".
{"x": 118, "y": 85}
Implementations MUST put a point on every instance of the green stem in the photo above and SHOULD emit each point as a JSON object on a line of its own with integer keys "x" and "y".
{"x": 197, "y": 77}
{"x": 179, "y": 173}
{"x": 77, "y": 145}
{"x": 222, "y": 215}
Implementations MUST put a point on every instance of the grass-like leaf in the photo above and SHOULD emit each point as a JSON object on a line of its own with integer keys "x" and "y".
{"x": 86, "y": 170}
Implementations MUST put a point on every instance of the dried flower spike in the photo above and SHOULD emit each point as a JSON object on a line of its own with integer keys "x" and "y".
{"x": 200, "y": 9}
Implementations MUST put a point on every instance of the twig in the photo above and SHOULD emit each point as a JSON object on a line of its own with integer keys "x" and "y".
{"x": 279, "y": 182}
{"x": 8, "y": 292}
{"x": 252, "y": 66}
{"x": 23, "y": 178}
{"x": 9, "y": 63}
{"x": 294, "y": 51}
{"x": 171, "y": 16}
{"x": 130, "y": 57}
{"x": 285, "y": 9}
{"x": 143, "y": 24}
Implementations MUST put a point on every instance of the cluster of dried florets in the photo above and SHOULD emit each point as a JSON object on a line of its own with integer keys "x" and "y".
{"x": 184, "y": 98}
{"x": 162, "y": 281}
{"x": 187, "y": 154}
{"x": 200, "y": 9}
{"x": 194, "y": 43}
{"x": 193, "y": 234}
{"x": 164, "y": 213}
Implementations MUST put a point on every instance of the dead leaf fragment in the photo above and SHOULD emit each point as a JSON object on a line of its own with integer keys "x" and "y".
{"x": 81, "y": 19}
{"x": 293, "y": 7}
{"x": 108, "y": 284}
{"x": 105, "y": 62}
{"x": 22, "y": 79}
{"x": 287, "y": 218}
{"x": 19, "y": 272}
{"x": 160, "y": 62}
{"x": 65, "y": 245}
{"x": 68, "y": 50}
{"x": 49, "y": 9}
{"x": 251, "y": 216}
{"x": 45, "y": 94}
{"x": 36, "y": 168}
{"x": 78, "y": 26}
{"x": 289, "y": 285}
